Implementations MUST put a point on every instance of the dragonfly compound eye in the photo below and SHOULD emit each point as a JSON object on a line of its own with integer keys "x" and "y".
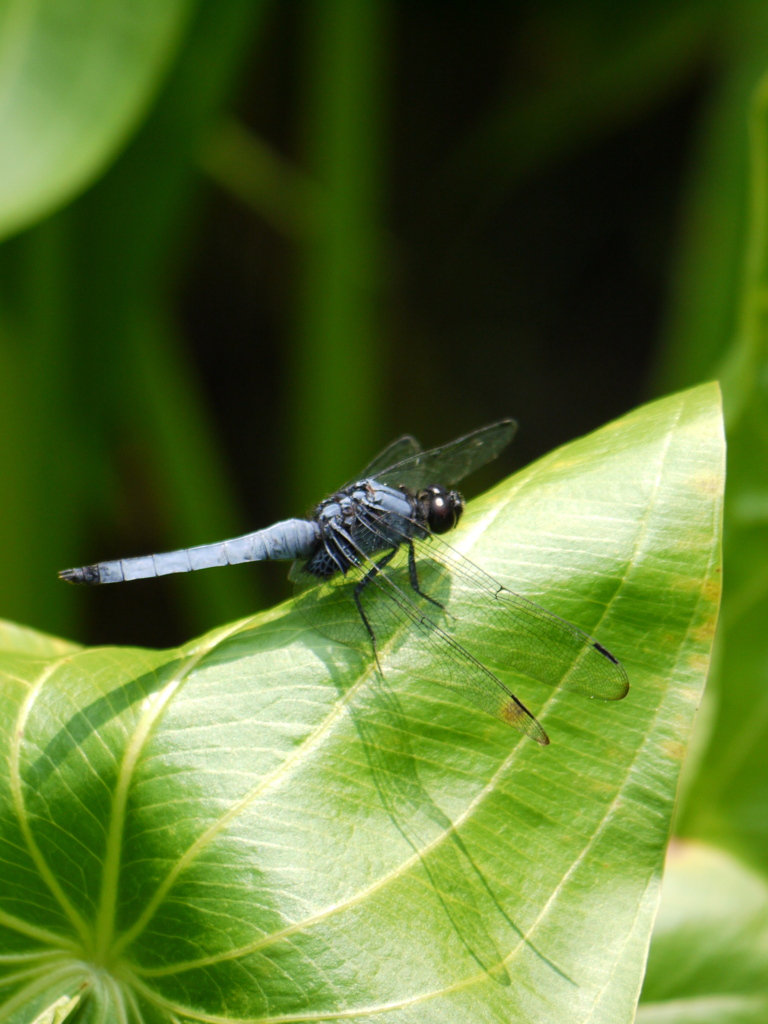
{"x": 443, "y": 508}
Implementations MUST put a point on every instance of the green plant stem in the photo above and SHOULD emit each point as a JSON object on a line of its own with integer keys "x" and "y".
{"x": 249, "y": 169}
{"x": 334, "y": 399}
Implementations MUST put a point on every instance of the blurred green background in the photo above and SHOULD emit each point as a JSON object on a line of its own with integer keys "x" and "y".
{"x": 245, "y": 244}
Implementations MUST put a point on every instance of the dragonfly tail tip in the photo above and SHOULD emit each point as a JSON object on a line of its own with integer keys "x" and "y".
{"x": 84, "y": 574}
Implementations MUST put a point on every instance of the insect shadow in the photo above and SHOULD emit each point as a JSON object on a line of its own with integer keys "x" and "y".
{"x": 458, "y": 882}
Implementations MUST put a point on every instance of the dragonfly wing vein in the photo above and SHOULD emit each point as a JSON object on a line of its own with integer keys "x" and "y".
{"x": 522, "y": 635}
{"x": 394, "y": 616}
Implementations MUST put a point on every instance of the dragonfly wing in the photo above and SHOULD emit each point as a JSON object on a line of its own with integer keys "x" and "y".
{"x": 524, "y": 636}
{"x": 450, "y": 463}
{"x": 396, "y": 615}
{"x": 401, "y": 450}
{"x": 521, "y": 635}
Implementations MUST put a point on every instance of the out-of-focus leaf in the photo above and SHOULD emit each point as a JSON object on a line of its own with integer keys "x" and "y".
{"x": 708, "y": 962}
{"x": 255, "y": 827}
{"x": 75, "y": 78}
{"x": 707, "y": 281}
{"x": 40, "y": 440}
{"x": 129, "y": 228}
{"x": 727, "y": 803}
{"x": 90, "y": 369}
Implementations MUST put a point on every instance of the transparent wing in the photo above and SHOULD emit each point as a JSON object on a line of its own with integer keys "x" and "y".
{"x": 518, "y": 633}
{"x": 524, "y": 636}
{"x": 393, "y": 617}
{"x": 451, "y": 462}
{"x": 401, "y": 450}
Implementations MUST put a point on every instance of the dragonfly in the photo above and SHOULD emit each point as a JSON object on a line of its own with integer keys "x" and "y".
{"x": 371, "y": 570}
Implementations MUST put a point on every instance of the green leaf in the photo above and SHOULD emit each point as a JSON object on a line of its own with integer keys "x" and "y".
{"x": 257, "y": 828}
{"x": 716, "y": 210}
{"x": 726, "y": 802}
{"x": 58, "y": 1011}
{"x": 19, "y": 640}
{"x": 709, "y": 956}
{"x": 75, "y": 80}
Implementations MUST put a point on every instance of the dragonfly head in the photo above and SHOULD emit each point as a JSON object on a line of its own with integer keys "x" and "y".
{"x": 440, "y": 508}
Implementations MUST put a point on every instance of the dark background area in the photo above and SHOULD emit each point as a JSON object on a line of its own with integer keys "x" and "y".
{"x": 544, "y": 300}
{"x": 341, "y": 223}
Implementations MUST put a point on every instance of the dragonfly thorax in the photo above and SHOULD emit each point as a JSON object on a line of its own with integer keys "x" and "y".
{"x": 362, "y": 519}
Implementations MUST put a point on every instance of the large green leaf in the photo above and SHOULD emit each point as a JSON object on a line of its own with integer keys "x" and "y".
{"x": 256, "y": 828}
{"x": 75, "y": 76}
{"x": 708, "y": 962}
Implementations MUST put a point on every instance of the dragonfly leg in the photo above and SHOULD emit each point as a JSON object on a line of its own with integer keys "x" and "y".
{"x": 413, "y": 573}
{"x": 373, "y": 571}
